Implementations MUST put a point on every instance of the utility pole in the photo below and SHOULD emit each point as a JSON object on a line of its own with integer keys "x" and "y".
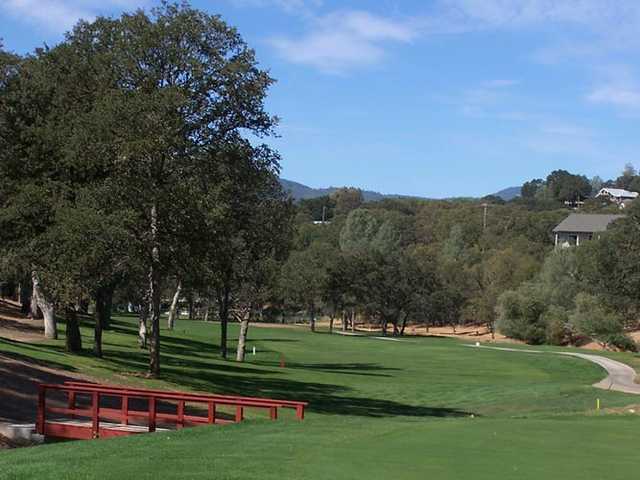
{"x": 484, "y": 215}
{"x": 324, "y": 213}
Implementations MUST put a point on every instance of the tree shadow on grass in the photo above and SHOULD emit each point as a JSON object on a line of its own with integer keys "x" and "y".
{"x": 361, "y": 369}
{"x": 322, "y": 397}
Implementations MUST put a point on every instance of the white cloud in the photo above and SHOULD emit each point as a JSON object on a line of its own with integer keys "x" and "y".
{"x": 618, "y": 96}
{"x": 60, "y": 15}
{"x": 500, "y": 83}
{"x": 519, "y": 13}
{"x": 618, "y": 87}
{"x": 341, "y": 41}
{"x": 289, "y": 6}
{"x": 588, "y": 28}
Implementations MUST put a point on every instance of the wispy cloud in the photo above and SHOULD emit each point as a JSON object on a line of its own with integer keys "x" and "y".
{"x": 618, "y": 96}
{"x": 617, "y": 87}
{"x": 289, "y": 6}
{"x": 60, "y": 15}
{"x": 521, "y": 13}
{"x": 344, "y": 40}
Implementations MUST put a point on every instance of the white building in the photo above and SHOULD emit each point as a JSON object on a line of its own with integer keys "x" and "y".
{"x": 617, "y": 195}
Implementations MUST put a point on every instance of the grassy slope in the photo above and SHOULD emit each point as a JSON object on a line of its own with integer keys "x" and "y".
{"x": 379, "y": 409}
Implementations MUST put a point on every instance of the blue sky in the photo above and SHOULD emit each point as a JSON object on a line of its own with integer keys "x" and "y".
{"x": 433, "y": 98}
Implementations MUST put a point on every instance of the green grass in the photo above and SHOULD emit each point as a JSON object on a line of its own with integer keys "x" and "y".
{"x": 379, "y": 409}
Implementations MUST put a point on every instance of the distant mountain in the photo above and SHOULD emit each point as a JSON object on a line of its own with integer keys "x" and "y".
{"x": 301, "y": 192}
{"x": 509, "y": 193}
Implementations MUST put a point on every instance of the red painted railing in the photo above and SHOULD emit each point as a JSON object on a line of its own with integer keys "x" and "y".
{"x": 127, "y": 415}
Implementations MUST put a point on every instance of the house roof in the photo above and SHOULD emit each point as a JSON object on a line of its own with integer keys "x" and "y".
{"x": 585, "y": 223}
{"x": 618, "y": 193}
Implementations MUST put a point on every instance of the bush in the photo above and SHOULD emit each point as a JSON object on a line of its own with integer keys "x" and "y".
{"x": 622, "y": 342}
{"x": 558, "y": 329}
{"x": 592, "y": 319}
{"x": 520, "y": 315}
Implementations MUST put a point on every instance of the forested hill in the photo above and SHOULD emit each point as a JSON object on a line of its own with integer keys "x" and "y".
{"x": 303, "y": 192}
{"x": 509, "y": 193}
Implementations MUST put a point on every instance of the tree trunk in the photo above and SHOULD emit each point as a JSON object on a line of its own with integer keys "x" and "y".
{"x": 206, "y": 310}
{"x": 223, "y": 309}
{"x": 353, "y": 320}
{"x": 331, "y": 317}
{"x": 35, "y": 313}
{"x": 46, "y": 307}
{"x": 171, "y": 321}
{"x": 108, "y": 308}
{"x": 102, "y": 315}
{"x": 492, "y": 329}
{"x": 154, "y": 297}
{"x": 312, "y": 317}
{"x": 142, "y": 324}
{"x": 242, "y": 338}
{"x": 25, "y": 298}
{"x": 404, "y": 324}
{"x": 384, "y": 327}
{"x": 191, "y": 307}
{"x": 73, "y": 339}
{"x": 344, "y": 321}
{"x": 98, "y": 318}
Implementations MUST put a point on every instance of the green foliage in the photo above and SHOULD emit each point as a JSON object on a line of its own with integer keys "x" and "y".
{"x": 359, "y": 231}
{"x": 347, "y": 199}
{"x": 558, "y": 327}
{"x": 591, "y": 319}
{"x": 530, "y": 189}
{"x": 566, "y": 187}
{"x": 520, "y": 314}
{"x": 318, "y": 208}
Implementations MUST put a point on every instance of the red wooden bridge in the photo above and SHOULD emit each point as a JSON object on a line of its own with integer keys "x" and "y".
{"x": 101, "y": 411}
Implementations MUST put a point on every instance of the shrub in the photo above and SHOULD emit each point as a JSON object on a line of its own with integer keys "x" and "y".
{"x": 592, "y": 319}
{"x": 520, "y": 315}
{"x": 622, "y": 342}
{"x": 558, "y": 329}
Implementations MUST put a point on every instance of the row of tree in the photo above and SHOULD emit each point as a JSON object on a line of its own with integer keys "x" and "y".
{"x": 563, "y": 186}
{"x": 130, "y": 157}
{"x": 459, "y": 258}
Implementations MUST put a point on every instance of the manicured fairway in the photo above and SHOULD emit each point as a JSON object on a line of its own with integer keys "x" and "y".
{"x": 379, "y": 409}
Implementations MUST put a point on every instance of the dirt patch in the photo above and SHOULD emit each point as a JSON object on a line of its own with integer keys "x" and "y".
{"x": 16, "y": 326}
{"x": 19, "y": 379}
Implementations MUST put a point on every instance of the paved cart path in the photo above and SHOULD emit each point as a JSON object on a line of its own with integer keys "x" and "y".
{"x": 621, "y": 377}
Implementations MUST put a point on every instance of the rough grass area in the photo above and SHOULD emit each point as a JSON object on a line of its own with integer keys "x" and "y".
{"x": 379, "y": 409}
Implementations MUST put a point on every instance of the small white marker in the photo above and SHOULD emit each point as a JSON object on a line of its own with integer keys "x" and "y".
{"x": 477, "y": 344}
{"x": 254, "y": 350}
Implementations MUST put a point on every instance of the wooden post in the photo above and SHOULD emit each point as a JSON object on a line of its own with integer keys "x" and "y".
{"x": 125, "y": 410}
{"x": 152, "y": 414}
{"x": 71, "y": 403}
{"x": 239, "y": 414}
{"x": 41, "y": 410}
{"x": 95, "y": 415}
{"x": 273, "y": 413}
{"x": 212, "y": 412}
{"x": 300, "y": 412}
{"x": 180, "y": 423}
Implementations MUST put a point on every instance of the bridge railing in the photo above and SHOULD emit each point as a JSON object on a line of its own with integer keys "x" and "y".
{"x": 128, "y": 414}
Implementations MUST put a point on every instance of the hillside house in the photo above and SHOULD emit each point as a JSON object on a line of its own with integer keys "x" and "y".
{"x": 617, "y": 195}
{"x": 578, "y": 228}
